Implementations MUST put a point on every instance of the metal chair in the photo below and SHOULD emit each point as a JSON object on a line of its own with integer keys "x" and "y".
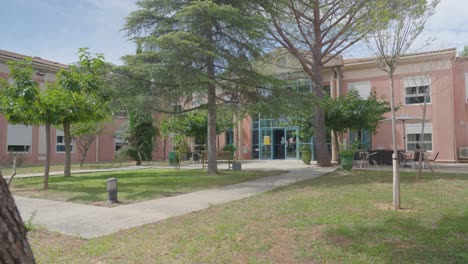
{"x": 365, "y": 158}
{"x": 433, "y": 161}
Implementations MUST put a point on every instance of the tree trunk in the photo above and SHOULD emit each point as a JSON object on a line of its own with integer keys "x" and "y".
{"x": 419, "y": 172}
{"x": 67, "y": 135}
{"x": 336, "y": 145}
{"x": 14, "y": 245}
{"x": 47, "y": 159}
{"x": 320, "y": 137}
{"x": 212, "y": 164}
{"x": 396, "y": 173}
{"x": 164, "y": 149}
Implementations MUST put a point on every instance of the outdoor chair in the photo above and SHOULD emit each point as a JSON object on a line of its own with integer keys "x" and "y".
{"x": 406, "y": 157}
{"x": 196, "y": 157}
{"x": 365, "y": 158}
{"x": 433, "y": 161}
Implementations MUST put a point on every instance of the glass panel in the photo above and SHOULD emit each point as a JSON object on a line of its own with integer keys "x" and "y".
{"x": 255, "y": 125}
{"x": 255, "y": 137}
{"x": 291, "y": 144}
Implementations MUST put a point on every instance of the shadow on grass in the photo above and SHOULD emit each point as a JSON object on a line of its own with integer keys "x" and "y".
{"x": 405, "y": 240}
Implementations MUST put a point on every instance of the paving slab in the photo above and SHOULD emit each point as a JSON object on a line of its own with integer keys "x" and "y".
{"x": 89, "y": 221}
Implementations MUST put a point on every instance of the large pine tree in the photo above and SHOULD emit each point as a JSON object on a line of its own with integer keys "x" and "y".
{"x": 196, "y": 48}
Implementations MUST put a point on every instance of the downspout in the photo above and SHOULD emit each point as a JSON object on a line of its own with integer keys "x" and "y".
{"x": 97, "y": 148}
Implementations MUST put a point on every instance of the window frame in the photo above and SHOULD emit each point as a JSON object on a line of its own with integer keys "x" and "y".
{"x": 58, "y": 133}
{"x": 417, "y": 82}
{"x": 415, "y": 129}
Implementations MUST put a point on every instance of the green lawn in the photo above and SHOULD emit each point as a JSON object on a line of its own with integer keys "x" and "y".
{"x": 337, "y": 218}
{"x": 26, "y": 169}
{"x": 133, "y": 186}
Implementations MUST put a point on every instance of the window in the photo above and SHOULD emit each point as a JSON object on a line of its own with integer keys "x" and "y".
{"x": 363, "y": 88}
{"x": 229, "y": 136}
{"x": 415, "y": 88}
{"x": 60, "y": 144}
{"x": 413, "y": 137}
{"x": 119, "y": 140}
{"x": 18, "y": 148}
{"x": 19, "y": 138}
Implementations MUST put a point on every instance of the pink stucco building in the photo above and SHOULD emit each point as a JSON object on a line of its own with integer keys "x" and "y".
{"x": 442, "y": 72}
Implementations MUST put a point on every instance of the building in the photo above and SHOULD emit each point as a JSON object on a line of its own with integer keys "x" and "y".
{"x": 446, "y": 130}
{"x": 27, "y": 143}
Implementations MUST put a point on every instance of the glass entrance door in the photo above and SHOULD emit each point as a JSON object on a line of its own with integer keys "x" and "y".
{"x": 291, "y": 144}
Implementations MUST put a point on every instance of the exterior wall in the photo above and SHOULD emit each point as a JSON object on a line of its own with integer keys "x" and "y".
{"x": 440, "y": 112}
{"x": 102, "y": 149}
{"x": 461, "y": 104}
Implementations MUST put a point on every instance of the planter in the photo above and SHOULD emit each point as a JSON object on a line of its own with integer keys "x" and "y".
{"x": 306, "y": 157}
{"x": 347, "y": 158}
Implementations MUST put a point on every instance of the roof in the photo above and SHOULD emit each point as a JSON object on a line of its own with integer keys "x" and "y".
{"x": 356, "y": 61}
{"x": 36, "y": 60}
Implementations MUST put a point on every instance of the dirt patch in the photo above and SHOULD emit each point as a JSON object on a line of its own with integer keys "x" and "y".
{"x": 389, "y": 206}
{"x": 340, "y": 241}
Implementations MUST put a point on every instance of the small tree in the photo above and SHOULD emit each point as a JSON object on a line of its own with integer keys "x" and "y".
{"x": 140, "y": 137}
{"x": 24, "y": 103}
{"x": 80, "y": 96}
{"x": 398, "y": 24}
{"x": 84, "y": 134}
{"x": 352, "y": 112}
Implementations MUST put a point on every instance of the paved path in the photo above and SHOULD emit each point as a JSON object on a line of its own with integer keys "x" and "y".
{"x": 93, "y": 221}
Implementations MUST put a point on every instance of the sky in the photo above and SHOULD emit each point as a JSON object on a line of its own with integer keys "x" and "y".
{"x": 56, "y": 29}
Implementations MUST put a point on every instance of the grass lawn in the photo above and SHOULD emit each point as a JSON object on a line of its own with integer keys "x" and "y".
{"x": 26, "y": 169}
{"x": 337, "y": 218}
{"x": 133, "y": 186}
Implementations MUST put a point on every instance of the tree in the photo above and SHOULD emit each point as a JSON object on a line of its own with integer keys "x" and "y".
{"x": 351, "y": 112}
{"x": 464, "y": 52}
{"x": 192, "y": 48}
{"x": 394, "y": 34}
{"x": 140, "y": 137}
{"x": 84, "y": 134}
{"x": 79, "y": 95}
{"x": 14, "y": 247}
{"x": 195, "y": 124}
{"x": 315, "y": 32}
{"x": 24, "y": 103}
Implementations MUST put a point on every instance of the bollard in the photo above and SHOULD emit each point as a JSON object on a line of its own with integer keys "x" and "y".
{"x": 112, "y": 190}
{"x": 236, "y": 165}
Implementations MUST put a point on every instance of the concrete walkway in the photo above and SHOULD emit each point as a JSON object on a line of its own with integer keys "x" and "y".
{"x": 93, "y": 221}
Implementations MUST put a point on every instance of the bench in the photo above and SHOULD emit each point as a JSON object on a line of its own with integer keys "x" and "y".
{"x": 221, "y": 155}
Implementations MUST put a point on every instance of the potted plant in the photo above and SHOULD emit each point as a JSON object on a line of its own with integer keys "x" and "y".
{"x": 347, "y": 155}
{"x": 231, "y": 150}
{"x": 306, "y": 155}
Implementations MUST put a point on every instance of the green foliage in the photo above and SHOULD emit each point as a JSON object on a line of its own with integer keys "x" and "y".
{"x": 348, "y": 149}
{"x": 20, "y": 102}
{"x": 195, "y": 124}
{"x": 140, "y": 136}
{"x": 28, "y": 224}
{"x": 464, "y": 52}
{"x": 80, "y": 94}
{"x": 230, "y": 148}
{"x": 353, "y": 112}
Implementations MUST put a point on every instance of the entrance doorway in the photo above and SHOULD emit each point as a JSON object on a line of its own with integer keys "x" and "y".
{"x": 278, "y": 144}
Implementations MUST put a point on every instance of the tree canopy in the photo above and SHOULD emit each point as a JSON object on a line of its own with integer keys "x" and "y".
{"x": 191, "y": 49}
{"x": 315, "y": 33}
